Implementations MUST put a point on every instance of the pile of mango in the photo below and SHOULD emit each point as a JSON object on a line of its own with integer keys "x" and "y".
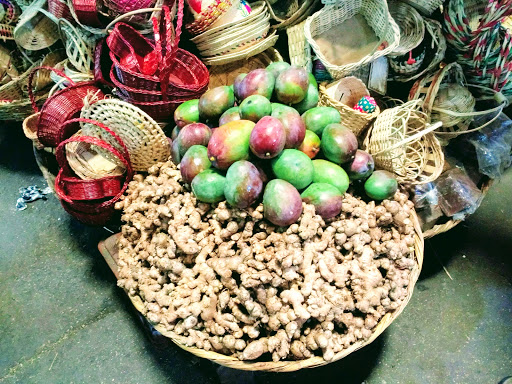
{"x": 249, "y": 141}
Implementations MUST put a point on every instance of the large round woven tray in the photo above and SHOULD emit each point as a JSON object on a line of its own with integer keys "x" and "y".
{"x": 281, "y": 366}
{"x": 445, "y": 227}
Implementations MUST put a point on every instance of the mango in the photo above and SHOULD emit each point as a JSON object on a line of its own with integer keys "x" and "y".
{"x": 282, "y": 205}
{"x": 330, "y": 173}
{"x": 255, "y": 107}
{"x": 257, "y": 82}
{"x": 175, "y": 132}
{"x": 230, "y": 143}
{"x": 292, "y": 85}
{"x": 277, "y": 67}
{"x": 309, "y": 101}
{"x": 187, "y": 113}
{"x": 194, "y": 162}
{"x": 311, "y": 144}
{"x": 208, "y": 186}
{"x": 243, "y": 184}
{"x": 292, "y": 123}
{"x": 326, "y": 198}
{"x": 339, "y": 144}
{"x": 295, "y": 167}
{"x": 236, "y": 85}
{"x": 316, "y": 119}
{"x": 215, "y": 102}
{"x": 175, "y": 152}
{"x": 361, "y": 167}
{"x": 232, "y": 114}
{"x": 312, "y": 80}
{"x": 192, "y": 134}
{"x": 381, "y": 185}
{"x": 268, "y": 138}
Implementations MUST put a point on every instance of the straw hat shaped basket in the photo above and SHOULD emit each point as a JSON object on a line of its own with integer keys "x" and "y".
{"x": 447, "y": 98}
{"x": 376, "y": 15}
{"x": 354, "y": 89}
{"x": 401, "y": 142}
{"x": 37, "y": 28}
{"x": 226, "y": 74}
{"x": 110, "y": 250}
{"x": 145, "y": 140}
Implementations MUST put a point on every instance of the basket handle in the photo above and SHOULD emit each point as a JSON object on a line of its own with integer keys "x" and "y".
{"x": 31, "y": 79}
{"x": 61, "y": 159}
{"x": 129, "y": 14}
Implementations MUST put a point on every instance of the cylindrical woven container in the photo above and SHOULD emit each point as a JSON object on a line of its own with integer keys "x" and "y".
{"x": 354, "y": 120}
{"x": 37, "y": 28}
{"x": 411, "y": 24}
{"x": 377, "y": 17}
{"x": 87, "y": 12}
{"x": 317, "y": 361}
{"x": 298, "y": 47}
{"x": 401, "y": 142}
{"x": 456, "y": 111}
{"x": 62, "y": 106}
{"x": 425, "y": 7}
{"x": 226, "y": 74}
{"x": 145, "y": 140}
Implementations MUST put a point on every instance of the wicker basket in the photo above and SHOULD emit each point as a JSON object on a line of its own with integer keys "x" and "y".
{"x": 11, "y": 12}
{"x": 79, "y": 45}
{"x": 457, "y": 112}
{"x": 445, "y": 227}
{"x": 145, "y": 140}
{"x": 207, "y": 15}
{"x": 297, "y": 12}
{"x": 110, "y": 250}
{"x": 37, "y": 28}
{"x": 298, "y": 47}
{"x": 411, "y": 24}
{"x": 226, "y": 74}
{"x": 376, "y": 15}
{"x": 60, "y": 9}
{"x": 401, "y": 142}
{"x": 425, "y": 7}
{"x": 356, "y": 121}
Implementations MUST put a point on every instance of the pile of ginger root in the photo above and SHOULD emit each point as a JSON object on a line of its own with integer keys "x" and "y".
{"x": 227, "y": 280}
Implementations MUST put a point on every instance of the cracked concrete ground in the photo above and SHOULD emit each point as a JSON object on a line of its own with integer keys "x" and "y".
{"x": 63, "y": 320}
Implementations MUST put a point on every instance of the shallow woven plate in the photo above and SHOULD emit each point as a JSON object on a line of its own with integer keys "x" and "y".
{"x": 145, "y": 140}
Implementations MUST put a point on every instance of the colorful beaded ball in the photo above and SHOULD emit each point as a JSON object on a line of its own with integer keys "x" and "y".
{"x": 367, "y": 104}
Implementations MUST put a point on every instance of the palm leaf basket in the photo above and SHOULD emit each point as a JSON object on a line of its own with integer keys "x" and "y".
{"x": 110, "y": 250}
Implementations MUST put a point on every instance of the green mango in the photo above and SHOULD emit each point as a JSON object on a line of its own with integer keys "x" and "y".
{"x": 381, "y": 185}
{"x": 339, "y": 144}
{"x": 330, "y": 173}
{"x": 295, "y": 167}
{"x": 213, "y": 103}
{"x": 326, "y": 198}
{"x": 316, "y": 119}
{"x": 230, "y": 143}
{"x": 282, "y": 204}
{"x": 208, "y": 186}
{"x": 232, "y": 114}
{"x": 312, "y": 80}
{"x": 255, "y": 107}
{"x": 310, "y": 101}
{"x": 187, "y": 113}
{"x": 277, "y": 67}
{"x": 194, "y": 162}
{"x": 311, "y": 144}
{"x": 243, "y": 184}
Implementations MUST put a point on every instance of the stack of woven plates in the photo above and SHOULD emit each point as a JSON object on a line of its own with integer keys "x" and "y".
{"x": 241, "y": 32}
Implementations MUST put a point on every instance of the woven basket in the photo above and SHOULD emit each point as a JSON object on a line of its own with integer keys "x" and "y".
{"x": 298, "y": 48}
{"x": 401, "y": 142}
{"x": 60, "y": 107}
{"x": 102, "y": 63}
{"x": 226, "y": 74}
{"x": 79, "y": 45}
{"x": 60, "y": 9}
{"x": 425, "y": 7}
{"x": 145, "y": 140}
{"x": 445, "y": 227}
{"x": 356, "y": 121}
{"x": 110, "y": 251}
{"x": 457, "y": 118}
{"x": 207, "y": 16}
{"x": 11, "y": 12}
{"x": 37, "y": 28}
{"x": 377, "y": 16}
{"x": 435, "y": 48}
{"x": 298, "y": 10}
{"x": 412, "y": 27}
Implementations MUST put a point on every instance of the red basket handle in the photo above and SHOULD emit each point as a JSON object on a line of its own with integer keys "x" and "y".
{"x": 120, "y": 141}
{"x": 31, "y": 79}
{"x": 62, "y": 193}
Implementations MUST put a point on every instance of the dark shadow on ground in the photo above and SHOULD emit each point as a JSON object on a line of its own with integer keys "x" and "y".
{"x": 16, "y": 151}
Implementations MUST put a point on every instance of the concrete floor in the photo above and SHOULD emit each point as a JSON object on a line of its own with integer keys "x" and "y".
{"x": 63, "y": 320}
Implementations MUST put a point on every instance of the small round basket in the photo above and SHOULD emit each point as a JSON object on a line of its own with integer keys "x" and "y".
{"x": 354, "y": 89}
{"x": 313, "y": 362}
{"x": 447, "y": 98}
{"x": 145, "y": 140}
{"x": 401, "y": 142}
{"x": 425, "y": 7}
{"x": 289, "y": 13}
{"x": 226, "y": 74}
{"x": 376, "y": 16}
{"x": 412, "y": 27}
{"x": 37, "y": 28}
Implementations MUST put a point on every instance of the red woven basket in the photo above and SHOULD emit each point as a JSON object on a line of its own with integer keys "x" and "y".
{"x": 87, "y": 12}
{"x": 59, "y": 9}
{"x": 161, "y": 111}
{"x": 102, "y": 63}
{"x": 91, "y": 201}
{"x": 61, "y": 107}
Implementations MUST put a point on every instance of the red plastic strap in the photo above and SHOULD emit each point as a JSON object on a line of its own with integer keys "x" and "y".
{"x": 31, "y": 78}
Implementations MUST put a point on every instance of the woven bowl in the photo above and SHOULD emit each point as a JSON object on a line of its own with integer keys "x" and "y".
{"x": 37, "y": 28}
{"x": 111, "y": 254}
{"x": 412, "y": 27}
